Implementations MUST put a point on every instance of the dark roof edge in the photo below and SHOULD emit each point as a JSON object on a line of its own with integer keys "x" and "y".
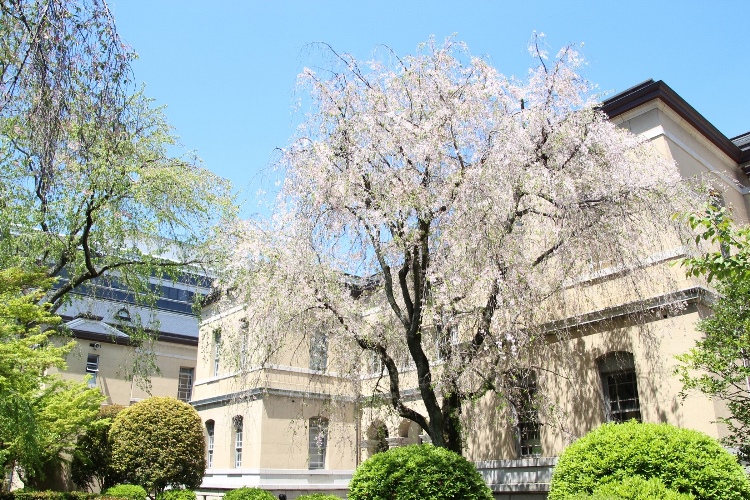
{"x": 172, "y": 338}
{"x": 651, "y": 90}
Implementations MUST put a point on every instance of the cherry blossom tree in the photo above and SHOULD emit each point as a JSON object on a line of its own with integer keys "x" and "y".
{"x": 439, "y": 218}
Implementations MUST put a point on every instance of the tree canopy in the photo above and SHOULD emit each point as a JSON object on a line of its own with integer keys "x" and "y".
{"x": 40, "y": 415}
{"x": 719, "y": 364}
{"x": 436, "y": 215}
{"x": 91, "y": 190}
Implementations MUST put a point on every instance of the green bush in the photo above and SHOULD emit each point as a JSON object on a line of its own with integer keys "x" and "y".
{"x": 177, "y": 495}
{"x": 684, "y": 460}
{"x": 29, "y": 494}
{"x": 418, "y": 472}
{"x": 92, "y": 457}
{"x": 248, "y": 494}
{"x": 158, "y": 443}
{"x": 318, "y": 496}
{"x": 130, "y": 491}
{"x": 633, "y": 488}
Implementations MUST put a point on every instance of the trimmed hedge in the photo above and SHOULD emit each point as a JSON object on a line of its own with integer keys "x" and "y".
{"x": 418, "y": 472}
{"x": 25, "y": 494}
{"x": 634, "y": 488}
{"x": 684, "y": 460}
{"x": 176, "y": 495}
{"x": 130, "y": 491}
{"x": 248, "y": 494}
{"x": 318, "y": 496}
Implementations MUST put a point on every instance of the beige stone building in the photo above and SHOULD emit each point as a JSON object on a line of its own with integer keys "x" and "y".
{"x": 275, "y": 428}
{"x": 99, "y": 318}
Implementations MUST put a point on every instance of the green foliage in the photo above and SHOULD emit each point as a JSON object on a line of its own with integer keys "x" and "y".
{"x": 732, "y": 262}
{"x": 28, "y": 494}
{"x": 318, "y": 496}
{"x": 684, "y": 460}
{"x": 40, "y": 415}
{"x": 719, "y": 364}
{"x": 130, "y": 491}
{"x": 176, "y": 495}
{"x": 158, "y": 443}
{"x": 89, "y": 184}
{"x": 92, "y": 457}
{"x": 417, "y": 472}
{"x": 248, "y": 494}
{"x": 635, "y": 488}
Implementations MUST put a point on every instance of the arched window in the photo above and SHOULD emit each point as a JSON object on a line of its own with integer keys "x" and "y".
{"x": 620, "y": 387}
{"x": 318, "y": 442}
{"x": 210, "y": 431}
{"x": 237, "y": 426}
{"x": 378, "y": 432}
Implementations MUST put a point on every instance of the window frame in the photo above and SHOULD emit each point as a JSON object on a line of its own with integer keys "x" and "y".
{"x": 318, "y": 351}
{"x": 210, "y": 440}
{"x": 528, "y": 429}
{"x": 617, "y": 370}
{"x": 238, "y": 427}
{"x": 92, "y": 368}
{"x": 181, "y": 389}
{"x": 317, "y": 443}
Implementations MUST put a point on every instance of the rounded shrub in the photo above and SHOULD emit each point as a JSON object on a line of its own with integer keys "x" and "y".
{"x": 131, "y": 491}
{"x": 418, "y": 472}
{"x": 318, "y": 496}
{"x": 684, "y": 460}
{"x": 248, "y": 494}
{"x": 158, "y": 443}
{"x": 177, "y": 495}
{"x": 633, "y": 488}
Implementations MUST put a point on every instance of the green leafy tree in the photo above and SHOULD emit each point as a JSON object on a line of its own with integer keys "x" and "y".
{"x": 684, "y": 460}
{"x": 92, "y": 458}
{"x": 40, "y": 415}
{"x": 719, "y": 364}
{"x": 90, "y": 191}
{"x": 158, "y": 443}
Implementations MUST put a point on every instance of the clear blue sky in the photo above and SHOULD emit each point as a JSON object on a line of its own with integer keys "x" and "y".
{"x": 226, "y": 70}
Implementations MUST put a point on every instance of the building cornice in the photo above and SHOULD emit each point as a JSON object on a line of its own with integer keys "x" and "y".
{"x": 651, "y": 90}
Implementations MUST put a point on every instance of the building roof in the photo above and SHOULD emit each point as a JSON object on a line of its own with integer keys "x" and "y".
{"x": 738, "y": 148}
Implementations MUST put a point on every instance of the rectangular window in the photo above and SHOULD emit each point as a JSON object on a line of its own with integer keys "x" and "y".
{"x": 319, "y": 351}
{"x": 217, "y": 351}
{"x": 92, "y": 368}
{"x": 210, "y": 444}
{"x": 318, "y": 441}
{"x": 622, "y": 393}
{"x": 620, "y": 387}
{"x": 528, "y": 428}
{"x": 238, "y": 442}
{"x": 185, "y": 384}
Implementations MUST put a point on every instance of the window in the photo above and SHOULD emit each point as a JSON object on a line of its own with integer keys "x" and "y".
{"x": 620, "y": 387}
{"x": 185, "y": 384}
{"x": 210, "y": 444}
{"x": 318, "y": 440}
{"x": 123, "y": 315}
{"x": 92, "y": 368}
{"x": 244, "y": 328}
{"x": 319, "y": 351}
{"x": 237, "y": 423}
{"x": 524, "y": 401}
{"x": 217, "y": 350}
